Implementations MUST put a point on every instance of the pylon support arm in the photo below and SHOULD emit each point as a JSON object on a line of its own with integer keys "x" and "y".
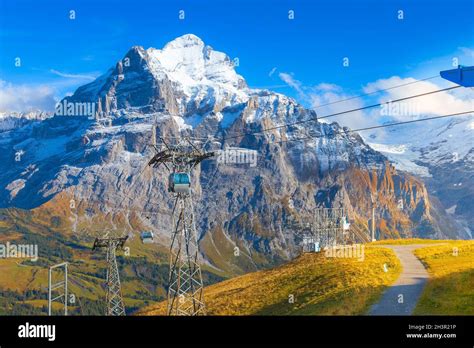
{"x": 462, "y": 75}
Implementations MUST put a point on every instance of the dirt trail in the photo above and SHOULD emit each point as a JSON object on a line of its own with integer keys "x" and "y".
{"x": 409, "y": 285}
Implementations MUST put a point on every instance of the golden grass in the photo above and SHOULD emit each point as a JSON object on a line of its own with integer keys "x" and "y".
{"x": 407, "y": 241}
{"x": 86, "y": 268}
{"x": 16, "y": 277}
{"x": 450, "y": 290}
{"x": 320, "y": 286}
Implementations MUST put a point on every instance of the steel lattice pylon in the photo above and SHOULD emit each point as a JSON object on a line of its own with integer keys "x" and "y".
{"x": 185, "y": 292}
{"x": 115, "y": 306}
{"x": 328, "y": 226}
{"x": 185, "y": 288}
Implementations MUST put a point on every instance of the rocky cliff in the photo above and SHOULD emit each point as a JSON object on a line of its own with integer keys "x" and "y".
{"x": 89, "y": 173}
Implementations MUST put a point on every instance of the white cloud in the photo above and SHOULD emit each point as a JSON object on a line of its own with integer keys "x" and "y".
{"x": 467, "y": 51}
{"x": 73, "y": 76}
{"x": 441, "y": 103}
{"x": 292, "y": 82}
{"x": 329, "y": 99}
{"x": 272, "y": 72}
{"x": 26, "y": 97}
{"x": 88, "y": 58}
{"x": 325, "y": 99}
{"x": 44, "y": 96}
{"x": 328, "y": 87}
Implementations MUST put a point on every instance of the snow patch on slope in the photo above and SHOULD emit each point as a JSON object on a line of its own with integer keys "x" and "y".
{"x": 417, "y": 147}
{"x": 402, "y": 157}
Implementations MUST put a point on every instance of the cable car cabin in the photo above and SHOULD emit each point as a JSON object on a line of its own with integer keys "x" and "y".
{"x": 146, "y": 237}
{"x": 310, "y": 245}
{"x": 345, "y": 224}
{"x": 179, "y": 183}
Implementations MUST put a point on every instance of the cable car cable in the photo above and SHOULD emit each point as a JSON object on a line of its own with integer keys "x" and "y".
{"x": 378, "y": 126}
{"x": 377, "y": 91}
{"x": 342, "y": 100}
{"x": 338, "y": 113}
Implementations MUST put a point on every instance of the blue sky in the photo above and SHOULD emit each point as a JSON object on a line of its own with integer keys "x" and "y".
{"x": 59, "y": 54}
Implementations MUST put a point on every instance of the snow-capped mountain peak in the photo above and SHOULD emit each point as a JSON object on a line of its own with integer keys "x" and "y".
{"x": 185, "y": 41}
{"x": 188, "y": 88}
{"x": 189, "y": 62}
{"x": 185, "y": 77}
{"x": 188, "y": 55}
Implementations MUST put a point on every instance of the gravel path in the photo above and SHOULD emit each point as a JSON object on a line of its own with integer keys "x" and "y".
{"x": 409, "y": 284}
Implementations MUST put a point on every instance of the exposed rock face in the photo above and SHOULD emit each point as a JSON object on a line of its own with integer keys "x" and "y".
{"x": 442, "y": 152}
{"x": 185, "y": 78}
{"x": 188, "y": 88}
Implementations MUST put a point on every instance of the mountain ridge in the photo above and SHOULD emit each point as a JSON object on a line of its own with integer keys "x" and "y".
{"x": 99, "y": 161}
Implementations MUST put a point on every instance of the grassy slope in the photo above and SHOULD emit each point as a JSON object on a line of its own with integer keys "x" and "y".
{"x": 320, "y": 285}
{"x": 450, "y": 289}
{"x": 143, "y": 273}
{"x": 407, "y": 241}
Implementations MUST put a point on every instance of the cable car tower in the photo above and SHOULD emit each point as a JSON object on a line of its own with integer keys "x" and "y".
{"x": 185, "y": 289}
{"x": 115, "y": 306}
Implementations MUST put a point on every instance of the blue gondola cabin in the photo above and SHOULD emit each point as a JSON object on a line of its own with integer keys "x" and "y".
{"x": 179, "y": 183}
{"x": 146, "y": 237}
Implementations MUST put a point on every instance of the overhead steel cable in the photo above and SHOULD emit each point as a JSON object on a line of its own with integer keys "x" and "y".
{"x": 312, "y": 137}
{"x": 312, "y": 119}
{"x": 377, "y": 91}
{"x": 388, "y": 102}
{"x": 145, "y": 212}
{"x": 376, "y": 127}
